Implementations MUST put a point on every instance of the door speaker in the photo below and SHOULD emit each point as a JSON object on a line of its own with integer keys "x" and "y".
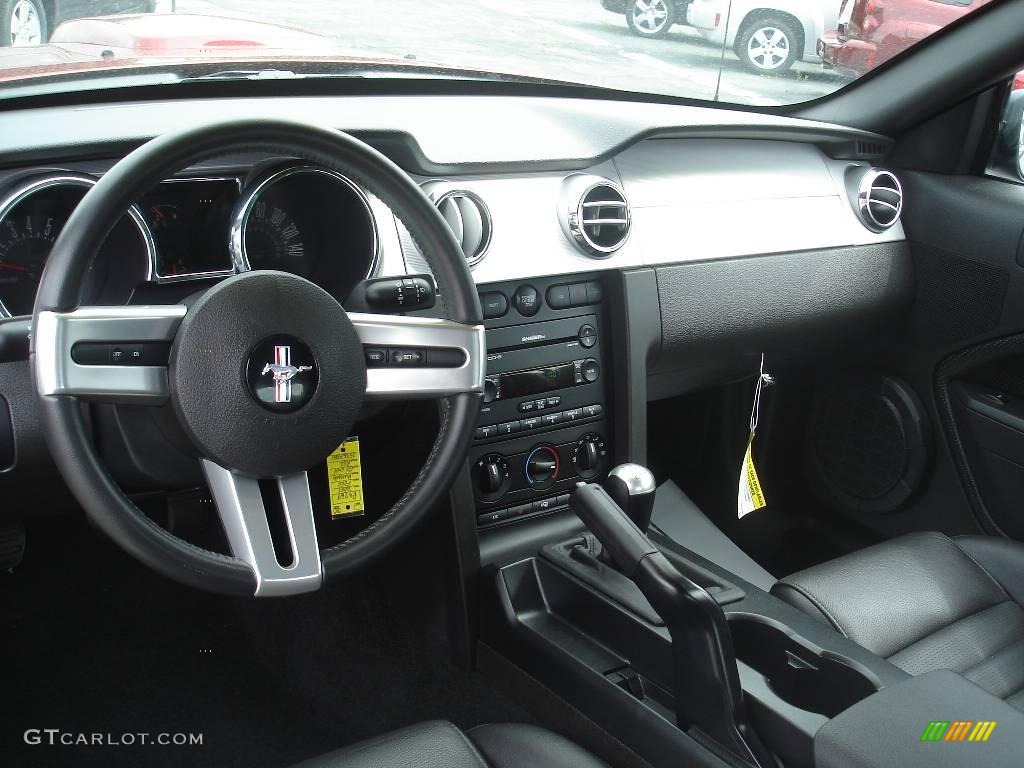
{"x": 867, "y": 446}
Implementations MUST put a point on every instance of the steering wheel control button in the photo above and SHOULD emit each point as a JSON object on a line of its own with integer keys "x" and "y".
{"x": 145, "y": 353}
{"x": 267, "y": 374}
{"x": 587, "y": 336}
{"x": 376, "y": 357}
{"x": 493, "y": 304}
{"x": 407, "y": 358}
{"x": 527, "y": 300}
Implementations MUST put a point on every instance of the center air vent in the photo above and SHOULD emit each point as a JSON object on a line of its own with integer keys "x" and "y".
{"x": 879, "y": 199}
{"x": 469, "y": 220}
{"x": 594, "y": 214}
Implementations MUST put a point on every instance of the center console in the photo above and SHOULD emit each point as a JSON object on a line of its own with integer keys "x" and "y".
{"x": 546, "y": 419}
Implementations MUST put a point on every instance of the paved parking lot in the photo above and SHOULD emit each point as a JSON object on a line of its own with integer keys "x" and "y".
{"x": 574, "y": 40}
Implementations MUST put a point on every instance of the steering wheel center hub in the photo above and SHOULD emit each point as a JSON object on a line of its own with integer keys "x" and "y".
{"x": 267, "y": 373}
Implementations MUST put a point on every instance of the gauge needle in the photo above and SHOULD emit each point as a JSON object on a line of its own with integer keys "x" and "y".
{"x": 13, "y": 267}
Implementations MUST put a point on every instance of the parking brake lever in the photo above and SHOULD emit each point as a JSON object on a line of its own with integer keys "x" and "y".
{"x": 706, "y": 683}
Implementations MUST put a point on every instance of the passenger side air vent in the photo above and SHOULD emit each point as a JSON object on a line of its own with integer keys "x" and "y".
{"x": 470, "y": 221}
{"x": 594, "y": 215}
{"x": 879, "y": 199}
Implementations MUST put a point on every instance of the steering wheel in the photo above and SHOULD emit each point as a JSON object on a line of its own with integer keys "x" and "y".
{"x": 266, "y": 372}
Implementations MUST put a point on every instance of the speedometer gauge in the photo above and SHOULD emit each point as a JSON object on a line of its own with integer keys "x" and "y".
{"x": 32, "y": 217}
{"x": 309, "y": 221}
{"x": 273, "y": 240}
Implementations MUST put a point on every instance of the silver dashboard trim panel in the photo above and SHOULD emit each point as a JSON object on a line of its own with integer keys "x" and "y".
{"x": 56, "y": 334}
{"x": 422, "y": 332}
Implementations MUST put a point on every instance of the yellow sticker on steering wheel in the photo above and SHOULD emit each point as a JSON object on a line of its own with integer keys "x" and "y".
{"x": 345, "y": 480}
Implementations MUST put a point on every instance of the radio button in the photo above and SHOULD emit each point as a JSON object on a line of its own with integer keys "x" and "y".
{"x": 591, "y": 371}
{"x": 491, "y": 391}
{"x": 494, "y": 304}
{"x": 572, "y": 414}
{"x": 525, "y": 425}
{"x": 508, "y": 428}
{"x": 577, "y": 294}
{"x": 550, "y": 419}
{"x": 540, "y": 404}
{"x": 527, "y": 300}
{"x": 592, "y": 410}
{"x": 482, "y": 433}
{"x": 526, "y": 406}
{"x": 558, "y": 296}
{"x": 553, "y": 401}
{"x": 587, "y": 336}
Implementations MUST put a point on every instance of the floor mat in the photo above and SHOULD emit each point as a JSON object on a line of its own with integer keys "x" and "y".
{"x": 103, "y": 650}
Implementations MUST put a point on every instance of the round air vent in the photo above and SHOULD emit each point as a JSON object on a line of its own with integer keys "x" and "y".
{"x": 879, "y": 199}
{"x": 470, "y": 221}
{"x": 594, "y": 215}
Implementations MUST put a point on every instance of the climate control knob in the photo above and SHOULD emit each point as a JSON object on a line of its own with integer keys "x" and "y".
{"x": 542, "y": 466}
{"x": 491, "y": 476}
{"x": 588, "y": 455}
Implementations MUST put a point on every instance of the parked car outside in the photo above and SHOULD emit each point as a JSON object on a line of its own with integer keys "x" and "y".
{"x": 30, "y": 22}
{"x": 870, "y": 32}
{"x": 768, "y": 37}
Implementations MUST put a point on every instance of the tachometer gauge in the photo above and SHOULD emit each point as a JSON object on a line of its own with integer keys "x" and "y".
{"x": 25, "y": 243}
{"x": 31, "y": 219}
{"x": 273, "y": 240}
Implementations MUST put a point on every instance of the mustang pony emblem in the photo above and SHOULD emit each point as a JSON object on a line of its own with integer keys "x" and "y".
{"x": 283, "y": 372}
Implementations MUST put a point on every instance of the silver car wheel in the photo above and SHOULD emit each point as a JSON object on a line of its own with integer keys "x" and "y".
{"x": 650, "y": 15}
{"x": 26, "y": 26}
{"x": 768, "y": 48}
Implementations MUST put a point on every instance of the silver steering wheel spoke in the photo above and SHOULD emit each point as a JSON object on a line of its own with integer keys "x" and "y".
{"x": 421, "y": 376}
{"x": 106, "y": 354}
{"x": 243, "y": 513}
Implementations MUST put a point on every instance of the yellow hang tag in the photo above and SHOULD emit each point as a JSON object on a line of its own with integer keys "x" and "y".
{"x": 345, "y": 479}
{"x": 750, "y": 496}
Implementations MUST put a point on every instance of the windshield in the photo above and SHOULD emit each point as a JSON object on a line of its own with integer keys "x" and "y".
{"x": 754, "y": 52}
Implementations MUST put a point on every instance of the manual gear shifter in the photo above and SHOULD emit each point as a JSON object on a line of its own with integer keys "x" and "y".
{"x": 632, "y": 487}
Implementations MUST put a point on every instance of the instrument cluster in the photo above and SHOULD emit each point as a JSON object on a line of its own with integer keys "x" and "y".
{"x": 301, "y": 219}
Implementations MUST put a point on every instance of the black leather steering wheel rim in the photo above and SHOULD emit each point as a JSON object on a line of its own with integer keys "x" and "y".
{"x": 62, "y": 416}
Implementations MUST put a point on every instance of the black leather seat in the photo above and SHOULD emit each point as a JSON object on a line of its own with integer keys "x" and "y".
{"x": 439, "y": 744}
{"x": 926, "y": 602}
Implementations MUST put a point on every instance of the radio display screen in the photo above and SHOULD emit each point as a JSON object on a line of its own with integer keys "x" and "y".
{"x": 521, "y": 383}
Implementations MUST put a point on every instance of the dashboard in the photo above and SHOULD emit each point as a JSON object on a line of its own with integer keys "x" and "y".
{"x": 620, "y": 254}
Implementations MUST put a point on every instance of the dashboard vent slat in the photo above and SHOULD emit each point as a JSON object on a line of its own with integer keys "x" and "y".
{"x": 879, "y": 199}
{"x": 594, "y": 214}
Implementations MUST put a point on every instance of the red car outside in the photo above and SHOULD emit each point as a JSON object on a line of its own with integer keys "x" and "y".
{"x": 871, "y": 32}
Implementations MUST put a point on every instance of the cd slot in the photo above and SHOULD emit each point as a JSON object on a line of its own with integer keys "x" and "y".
{"x": 534, "y": 334}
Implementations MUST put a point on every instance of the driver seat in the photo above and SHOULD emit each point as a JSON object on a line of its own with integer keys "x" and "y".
{"x": 439, "y": 744}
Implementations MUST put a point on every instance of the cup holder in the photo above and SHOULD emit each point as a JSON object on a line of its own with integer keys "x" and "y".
{"x": 798, "y": 672}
